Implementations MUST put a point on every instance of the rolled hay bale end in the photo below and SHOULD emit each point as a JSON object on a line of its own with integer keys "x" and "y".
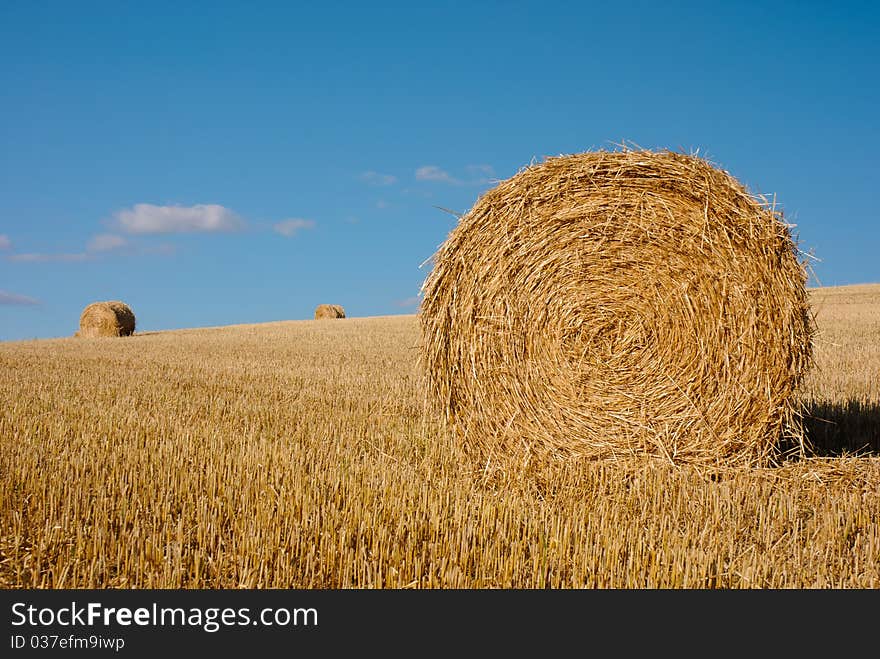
{"x": 329, "y": 311}
{"x": 618, "y": 304}
{"x": 110, "y": 318}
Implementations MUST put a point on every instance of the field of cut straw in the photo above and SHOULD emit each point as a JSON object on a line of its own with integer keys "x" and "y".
{"x": 300, "y": 454}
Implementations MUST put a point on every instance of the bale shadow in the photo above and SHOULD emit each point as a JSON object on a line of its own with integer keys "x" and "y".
{"x": 834, "y": 429}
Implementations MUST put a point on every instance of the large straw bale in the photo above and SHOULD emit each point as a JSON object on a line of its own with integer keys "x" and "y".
{"x": 612, "y": 304}
{"x": 110, "y": 318}
{"x": 329, "y": 311}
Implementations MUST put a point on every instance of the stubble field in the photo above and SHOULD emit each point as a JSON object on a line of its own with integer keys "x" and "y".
{"x": 301, "y": 454}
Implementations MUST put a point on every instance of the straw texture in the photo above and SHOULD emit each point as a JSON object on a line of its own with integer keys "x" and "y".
{"x": 613, "y": 304}
{"x": 329, "y": 311}
{"x": 111, "y": 318}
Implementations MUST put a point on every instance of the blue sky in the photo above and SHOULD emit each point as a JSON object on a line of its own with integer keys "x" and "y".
{"x": 221, "y": 163}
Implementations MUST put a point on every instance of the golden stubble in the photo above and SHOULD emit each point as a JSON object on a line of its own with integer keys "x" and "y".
{"x": 302, "y": 454}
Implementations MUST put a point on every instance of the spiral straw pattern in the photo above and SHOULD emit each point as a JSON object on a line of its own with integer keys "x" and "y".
{"x": 618, "y": 303}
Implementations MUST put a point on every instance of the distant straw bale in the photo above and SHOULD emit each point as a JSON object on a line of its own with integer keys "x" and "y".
{"x": 329, "y": 311}
{"x": 618, "y": 303}
{"x": 111, "y": 318}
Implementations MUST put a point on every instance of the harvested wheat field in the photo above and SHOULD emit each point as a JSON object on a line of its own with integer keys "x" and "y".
{"x": 301, "y": 454}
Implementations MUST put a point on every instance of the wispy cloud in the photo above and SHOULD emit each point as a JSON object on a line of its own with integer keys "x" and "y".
{"x": 291, "y": 227}
{"x": 480, "y": 170}
{"x": 408, "y": 302}
{"x": 148, "y": 218}
{"x": 105, "y": 242}
{"x": 12, "y": 299}
{"x": 474, "y": 175}
{"x": 101, "y": 243}
{"x": 5, "y": 243}
{"x": 434, "y": 173}
{"x": 375, "y": 178}
{"x": 45, "y": 258}
{"x": 480, "y": 174}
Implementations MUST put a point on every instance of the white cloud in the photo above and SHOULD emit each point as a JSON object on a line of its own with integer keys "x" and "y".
{"x": 480, "y": 170}
{"x": 481, "y": 174}
{"x": 375, "y": 178}
{"x": 147, "y": 218}
{"x": 290, "y": 227}
{"x": 5, "y": 243}
{"x": 44, "y": 258}
{"x": 409, "y": 302}
{"x": 105, "y": 242}
{"x": 17, "y": 300}
{"x": 433, "y": 173}
{"x": 475, "y": 174}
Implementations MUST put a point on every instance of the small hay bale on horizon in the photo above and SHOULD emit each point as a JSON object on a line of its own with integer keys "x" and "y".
{"x": 329, "y": 311}
{"x": 108, "y": 318}
{"x": 612, "y": 304}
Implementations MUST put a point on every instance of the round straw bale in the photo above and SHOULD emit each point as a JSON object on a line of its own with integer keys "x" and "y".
{"x": 329, "y": 311}
{"x": 615, "y": 304}
{"x": 110, "y": 318}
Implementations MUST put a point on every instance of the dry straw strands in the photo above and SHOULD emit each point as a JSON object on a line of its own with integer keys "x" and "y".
{"x": 619, "y": 303}
{"x": 111, "y": 318}
{"x": 329, "y": 311}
